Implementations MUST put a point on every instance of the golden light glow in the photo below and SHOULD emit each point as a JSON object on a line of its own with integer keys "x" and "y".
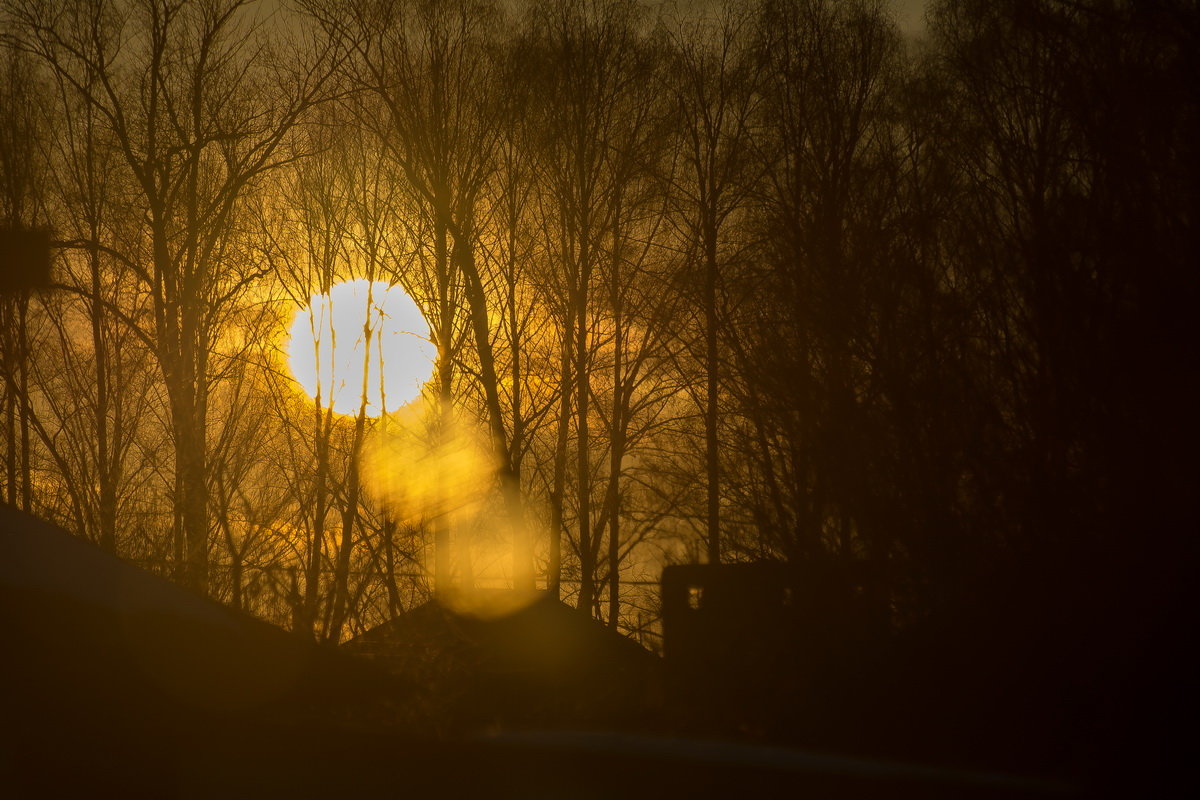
{"x": 430, "y": 466}
{"x": 361, "y": 327}
{"x": 427, "y": 464}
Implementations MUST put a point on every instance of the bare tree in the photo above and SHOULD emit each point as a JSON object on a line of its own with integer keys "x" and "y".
{"x": 713, "y": 82}
{"x": 197, "y": 112}
{"x": 592, "y": 72}
{"x": 428, "y": 68}
{"x": 21, "y": 208}
{"x": 823, "y": 141}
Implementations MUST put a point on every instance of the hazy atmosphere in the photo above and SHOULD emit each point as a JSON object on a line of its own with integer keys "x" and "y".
{"x": 823, "y": 372}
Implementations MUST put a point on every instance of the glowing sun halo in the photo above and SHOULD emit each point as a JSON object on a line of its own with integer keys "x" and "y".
{"x": 326, "y": 347}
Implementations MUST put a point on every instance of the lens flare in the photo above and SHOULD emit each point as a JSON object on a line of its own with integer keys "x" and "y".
{"x": 364, "y": 346}
{"x": 425, "y": 464}
{"x": 432, "y": 468}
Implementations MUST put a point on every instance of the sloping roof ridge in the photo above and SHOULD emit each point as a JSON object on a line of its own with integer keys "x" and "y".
{"x": 417, "y": 621}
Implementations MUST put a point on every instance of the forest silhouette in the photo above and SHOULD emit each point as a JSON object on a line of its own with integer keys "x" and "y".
{"x": 765, "y": 284}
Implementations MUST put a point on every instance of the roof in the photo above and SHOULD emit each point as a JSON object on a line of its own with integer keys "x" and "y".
{"x": 90, "y": 638}
{"x": 542, "y": 663}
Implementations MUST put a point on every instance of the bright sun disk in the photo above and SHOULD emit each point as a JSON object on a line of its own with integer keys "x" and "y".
{"x": 327, "y": 347}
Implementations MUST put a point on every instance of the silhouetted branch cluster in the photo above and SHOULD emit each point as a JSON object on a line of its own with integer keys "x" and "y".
{"x": 745, "y": 283}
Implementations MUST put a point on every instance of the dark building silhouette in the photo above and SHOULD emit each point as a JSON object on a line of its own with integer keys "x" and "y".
{"x": 541, "y": 664}
{"x": 762, "y": 648}
{"x": 112, "y": 677}
{"x": 115, "y": 682}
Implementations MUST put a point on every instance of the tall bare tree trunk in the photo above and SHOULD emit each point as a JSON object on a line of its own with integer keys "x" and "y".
{"x": 616, "y": 449}
{"x": 395, "y": 605}
{"x": 322, "y": 430}
{"x": 583, "y": 465}
{"x": 712, "y": 379}
{"x": 558, "y": 492}
{"x": 341, "y": 574}
{"x": 443, "y": 578}
{"x": 510, "y": 481}
{"x": 105, "y": 462}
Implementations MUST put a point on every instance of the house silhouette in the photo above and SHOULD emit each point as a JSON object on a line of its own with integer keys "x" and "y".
{"x": 540, "y": 663}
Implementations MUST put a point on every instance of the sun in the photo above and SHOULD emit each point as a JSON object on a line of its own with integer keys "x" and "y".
{"x": 328, "y": 348}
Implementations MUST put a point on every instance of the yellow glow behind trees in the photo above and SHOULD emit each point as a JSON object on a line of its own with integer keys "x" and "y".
{"x": 328, "y": 348}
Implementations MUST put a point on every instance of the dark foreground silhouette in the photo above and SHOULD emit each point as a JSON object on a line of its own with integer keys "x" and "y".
{"x": 116, "y": 682}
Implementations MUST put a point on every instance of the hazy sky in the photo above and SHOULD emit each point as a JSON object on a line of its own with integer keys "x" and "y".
{"x": 910, "y": 15}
